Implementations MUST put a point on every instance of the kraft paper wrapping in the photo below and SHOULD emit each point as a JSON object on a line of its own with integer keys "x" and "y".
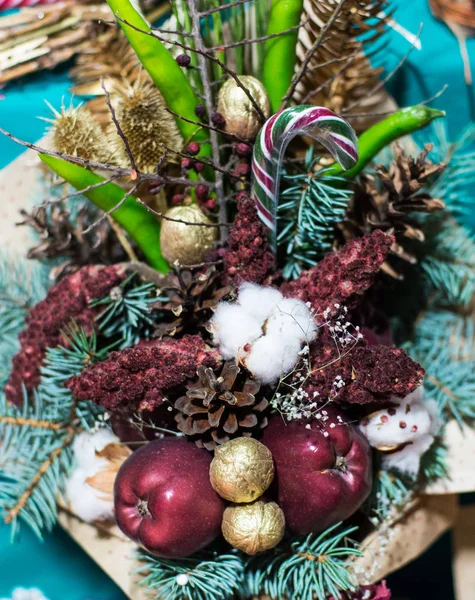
{"x": 384, "y": 551}
{"x": 464, "y": 554}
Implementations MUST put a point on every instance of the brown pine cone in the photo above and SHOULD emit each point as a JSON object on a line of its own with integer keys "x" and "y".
{"x": 187, "y": 299}
{"x": 218, "y": 408}
{"x": 387, "y": 199}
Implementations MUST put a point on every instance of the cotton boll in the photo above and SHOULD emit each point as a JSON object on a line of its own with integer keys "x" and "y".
{"x": 259, "y": 301}
{"x": 408, "y": 459}
{"x": 86, "y": 502}
{"x": 292, "y": 319}
{"x": 86, "y": 445}
{"x": 233, "y": 328}
{"x": 271, "y": 357}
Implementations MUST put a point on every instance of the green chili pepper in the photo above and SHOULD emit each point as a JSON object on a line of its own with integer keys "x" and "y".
{"x": 402, "y": 122}
{"x": 279, "y": 61}
{"x": 162, "y": 68}
{"x": 134, "y": 218}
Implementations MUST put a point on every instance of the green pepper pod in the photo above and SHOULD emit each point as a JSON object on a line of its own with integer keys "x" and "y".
{"x": 134, "y": 218}
{"x": 279, "y": 61}
{"x": 402, "y": 122}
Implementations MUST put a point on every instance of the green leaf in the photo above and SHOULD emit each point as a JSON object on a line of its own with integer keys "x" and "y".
{"x": 134, "y": 218}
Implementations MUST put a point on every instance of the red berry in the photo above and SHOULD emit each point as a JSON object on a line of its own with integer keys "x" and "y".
{"x": 199, "y": 166}
{"x": 243, "y": 149}
{"x": 177, "y": 199}
{"x": 193, "y": 148}
{"x": 183, "y": 60}
{"x": 201, "y": 192}
{"x": 200, "y": 111}
{"x": 218, "y": 119}
{"x": 242, "y": 170}
{"x": 187, "y": 163}
{"x": 210, "y": 203}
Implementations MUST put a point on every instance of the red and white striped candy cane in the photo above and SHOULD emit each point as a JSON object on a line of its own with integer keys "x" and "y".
{"x": 6, "y": 4}
{"x": 317, "y": 122}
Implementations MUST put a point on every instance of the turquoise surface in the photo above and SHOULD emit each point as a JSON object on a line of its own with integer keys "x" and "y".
{"x": 58, "y": 566}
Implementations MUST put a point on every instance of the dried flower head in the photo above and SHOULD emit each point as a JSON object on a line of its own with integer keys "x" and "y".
{"x": 75, "y": 132}
{"x": 139, "y": 378}
{"x": 342, "y": 277}
{"x": 69, "y": 299}
{"x": 145, "y": 122}
{"x": 248, "y": 257}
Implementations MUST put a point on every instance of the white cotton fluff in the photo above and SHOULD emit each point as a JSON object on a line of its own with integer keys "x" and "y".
{"x": 88, "y": 503}
{"x": 292, "y": 319}
{"x": 272, "y": 357}
{"x": 412, "y": 425}
{"x": 259, "y": 301}
{"x": 263, "y": 330}
{"x": 233, "y": 328}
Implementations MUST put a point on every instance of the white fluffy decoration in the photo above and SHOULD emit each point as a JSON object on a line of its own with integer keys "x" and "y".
{"x": 263, "y": 330}
{"x": 410, "y": 426}
{"x": 88, "y": 503}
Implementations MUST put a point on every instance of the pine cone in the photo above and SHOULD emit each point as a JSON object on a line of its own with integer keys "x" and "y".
{"x": 188, "y": 298}
{"x": 385, "y": 201}
{"x": 216, "y": 409}
{"x": 62, "y": 236}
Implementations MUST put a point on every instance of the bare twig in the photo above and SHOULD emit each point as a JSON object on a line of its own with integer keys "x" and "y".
{"x": 120, "y": 132}
{"x": 257, "y": 40}
{"x": 195, "y": 24}
{"x": 223, "y": 7}
{"x": 206, "y": 55}
{"x": 172, "y": 219}
{"x": 318, "y": 42}
{"x": 89, "y": 188}
{"x": 114, "y": 208}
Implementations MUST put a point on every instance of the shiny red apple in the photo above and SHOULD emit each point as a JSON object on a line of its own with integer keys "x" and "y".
{"x": 164, "y": 500}
{"x": 323, "y": 469}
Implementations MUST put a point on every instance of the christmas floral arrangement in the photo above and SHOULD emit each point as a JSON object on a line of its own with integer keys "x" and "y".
{"x": 248, "y": 343}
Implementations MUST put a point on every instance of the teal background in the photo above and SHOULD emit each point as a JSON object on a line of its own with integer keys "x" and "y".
{"x": 58, "y": 566}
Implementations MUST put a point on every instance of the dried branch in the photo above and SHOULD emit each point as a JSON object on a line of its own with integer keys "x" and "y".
{"x": 113, "y": 209}
{"x": 223, "y": 7}
{"x": 206, "y": 55}
{"x": 303, "y": 68}
{"x": 119, "y": 129}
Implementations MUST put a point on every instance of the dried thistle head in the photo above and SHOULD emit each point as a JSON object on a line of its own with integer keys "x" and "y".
{"x": 145, "y": 122}
{"x": 75, "y": 132}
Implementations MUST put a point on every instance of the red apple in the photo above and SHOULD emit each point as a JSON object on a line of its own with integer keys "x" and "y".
{"x": 164, "y": 500}
{"x": 323, "y": 469}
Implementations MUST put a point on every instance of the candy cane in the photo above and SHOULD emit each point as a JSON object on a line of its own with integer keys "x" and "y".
{"x": 317, "y": 122}
{"x": 6, "y": 4}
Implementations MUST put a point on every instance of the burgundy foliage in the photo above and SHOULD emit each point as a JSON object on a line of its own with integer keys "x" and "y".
{"x": 370, "y": 373}
{"x": 140, "y": 377}
{"x": 343, "y": 276}
{"x": 248, "y": 257}
{"x": 69, "y": 299}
